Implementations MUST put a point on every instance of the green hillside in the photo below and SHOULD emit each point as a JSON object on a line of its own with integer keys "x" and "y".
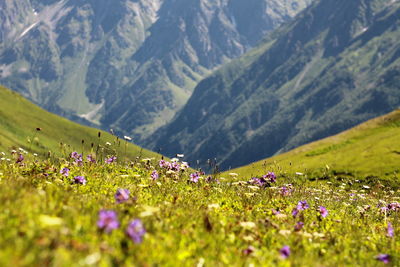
{"x": 369, "y": 149}
{"x": 19, "y": 119}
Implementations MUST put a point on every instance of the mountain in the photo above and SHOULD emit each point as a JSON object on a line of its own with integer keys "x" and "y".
{"x": 126, "y": 64}
{"x": 369, "y": 149}
{"x": 336, "y": 65}
{"x": 19, "y": 119}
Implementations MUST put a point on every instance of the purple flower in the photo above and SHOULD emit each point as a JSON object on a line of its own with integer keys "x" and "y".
{"x": 385, "y": 258}
{"x": 248, "y": 250}
{"x": 390, "y": 230}
{"x": 20, "y": 158}
{"x": 122, "y": 195}
{"x": 154, "y": 175}
{"x": 111, "y": 160}
{"x": 258, "y": 181}
{"x": 76, "y": 155}
{"x": 194, "y": 177}
{"x": 302, "y": 205}
{"x": 323, "y": 211}
{"x": 270, "y": 176}
{"x": 295, "y": 211}
{"x": 162, "y": 163}
{"x": 275, "y": 212}
{"x": 175, "y": 166}
{"x": 285, "y": 191}
{"x": 394, "y": 206}
{"x": 79, "y": 180}
{"x": 90, "y": 158}
{"x": 298, "y": 226}
{"x": 65, "y": 172}
{"x": 285, "y": 252}
{"x": 136, "y": 231}
{"x": 108, "y": 220}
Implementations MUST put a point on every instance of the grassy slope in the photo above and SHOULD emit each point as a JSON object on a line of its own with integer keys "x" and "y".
{"x": 19, "y": 119}
{"x": 369, "y": 149}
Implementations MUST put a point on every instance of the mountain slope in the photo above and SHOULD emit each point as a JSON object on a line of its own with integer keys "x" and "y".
{"x": 336, "y": 65}
{"x": 127, "y": 65}
{"x": 19, "y": 119}
{"x": 369, "y": 149}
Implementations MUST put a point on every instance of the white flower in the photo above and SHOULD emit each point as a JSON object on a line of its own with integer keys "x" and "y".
{"x": 127, "y": 138}
{"x": 180, "y": 155}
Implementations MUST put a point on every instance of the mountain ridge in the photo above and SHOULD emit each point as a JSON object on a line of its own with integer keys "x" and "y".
{"x": 314, "y": 79}
{"x": 129, "y": 65}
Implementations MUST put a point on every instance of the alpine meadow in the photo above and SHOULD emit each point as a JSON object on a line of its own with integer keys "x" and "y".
{"x": 200, "y": 133}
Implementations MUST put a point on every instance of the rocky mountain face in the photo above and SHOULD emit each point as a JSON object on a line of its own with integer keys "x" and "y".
{"x": 336, "y": 65}
{"x": 126, "y": 64}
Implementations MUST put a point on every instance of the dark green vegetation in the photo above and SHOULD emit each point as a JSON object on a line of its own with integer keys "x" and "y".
{"x": 336, "y": 65}
{"x": 125, "y": 64}
{"x": 370, "y": 151}
{"x": 47, "y": 220}
{"x": 19, "y": 119}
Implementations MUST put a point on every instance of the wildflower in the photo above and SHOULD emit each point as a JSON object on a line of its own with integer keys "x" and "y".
{"x": 65, "y": 172}
{"x": 79, "y": 180}
{"x": 180, "y": 155}
{"x": 285, "y": 191}
{"x": 249, "y": 250}
{"x": 298, "y": 226}
{"x": 390, "y": 230}
{"x": 20, "y": 158}
{"x": 394, "y": 206}
{"x": 90, "y": 158}
{"x": 295, "y": 211}
{"x": 154, "y": 175}
{"x": 136, "y": 231}
{"x": 302, "y": 205}
{"x": 175, "y": 166}
{"x": 76, "y": 155}
{"x": 323, "y": 211}
{"x": 162, "y": 163}
{"x": 111, "y": 159}
{"x": 258, "y": 181}
{"x": 385, "y": 258}
{"x": 122, "y": 195}
{"x": 107, "y": 220}
{"x": 194, "y": 177}
{"x": 275, "y": 212}
{"x": 285, "y": 252}
{"x": 127, "y": 138}
{"x": 270, "y": 176}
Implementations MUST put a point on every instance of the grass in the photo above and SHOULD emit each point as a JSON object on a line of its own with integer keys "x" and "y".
{"x": 19, "y": 119}
{"x": 47, "y": 219}
{"x": 370, "y": 149}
